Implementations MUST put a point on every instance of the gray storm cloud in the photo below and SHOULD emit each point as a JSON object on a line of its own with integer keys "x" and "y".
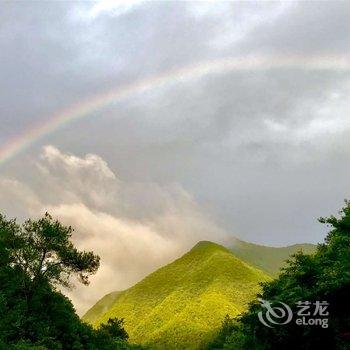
{"x": 263, "y": 153}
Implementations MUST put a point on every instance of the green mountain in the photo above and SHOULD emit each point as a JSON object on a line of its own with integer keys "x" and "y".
{"x": 268, "y": 259}
{"x": 182, "y": 304}
{"x": 101, "y": 307}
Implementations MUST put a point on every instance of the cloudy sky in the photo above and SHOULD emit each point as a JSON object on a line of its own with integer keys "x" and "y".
{"x": 254, "y": 150}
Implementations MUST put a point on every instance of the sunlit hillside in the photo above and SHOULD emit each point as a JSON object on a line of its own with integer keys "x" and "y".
{"x": 182, "y": 304}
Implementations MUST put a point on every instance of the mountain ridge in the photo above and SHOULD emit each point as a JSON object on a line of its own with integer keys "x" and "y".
{"x": 267, "y": 258}
{"x": 181, "y": 304}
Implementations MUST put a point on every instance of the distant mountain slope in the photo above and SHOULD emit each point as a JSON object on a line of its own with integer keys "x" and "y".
{"x": 268, "y": 259}
{"x": 183, "y": 303}
{"x": 102, "y": 306}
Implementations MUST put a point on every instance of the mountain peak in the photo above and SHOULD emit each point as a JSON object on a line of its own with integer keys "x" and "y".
{"x": 207, "y": 245}
{"x": 193, "y": 292}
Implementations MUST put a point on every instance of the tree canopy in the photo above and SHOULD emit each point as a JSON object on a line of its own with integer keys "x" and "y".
{"x": 43, "y": 251}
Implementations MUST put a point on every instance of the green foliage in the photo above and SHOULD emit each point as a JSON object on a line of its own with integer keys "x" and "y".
{"x": 324, "y": 275}
{"x": 268, "y": 259}
{"x": 114, "y": 328}
{"x": 34, "y": 258}
{"x": 43, "y": 251}
{"x": 227, "y": 327}
{"x": 181, "y": 305}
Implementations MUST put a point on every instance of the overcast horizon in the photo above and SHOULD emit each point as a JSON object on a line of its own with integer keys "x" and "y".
{"x": 256, "y": 149}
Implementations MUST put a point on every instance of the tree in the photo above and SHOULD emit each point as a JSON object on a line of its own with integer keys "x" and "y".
{"x": 35, "y": 258}
{"x": 43, "y": 250}
{"x": 323, "y": 276}
{"x": 227, "y": 327}
{"x": 114, "y": 328}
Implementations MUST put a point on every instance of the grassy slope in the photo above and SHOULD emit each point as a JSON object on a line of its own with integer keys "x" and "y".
{"x": 183, "y": 303}
{"x": 268, "y": 259}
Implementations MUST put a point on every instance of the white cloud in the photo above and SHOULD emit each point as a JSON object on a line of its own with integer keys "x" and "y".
{"x": 113, "y": 8}
{"x": 75, "y": 164}
{"x": 128, "y": 250}
{"x": 134, "y": 227}
{"x": 73, "y": 179}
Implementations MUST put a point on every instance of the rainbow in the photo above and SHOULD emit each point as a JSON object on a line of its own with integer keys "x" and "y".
{"x": 92, "y": 104}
